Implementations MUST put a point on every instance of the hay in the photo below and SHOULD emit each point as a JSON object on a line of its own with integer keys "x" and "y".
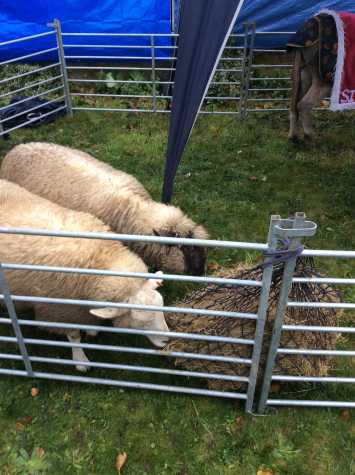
{"x": 246, "y": 299}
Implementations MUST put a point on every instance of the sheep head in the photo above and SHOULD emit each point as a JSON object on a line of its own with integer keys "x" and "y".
{"x": 140, "y": 319}
{"x": 182, "y": 259}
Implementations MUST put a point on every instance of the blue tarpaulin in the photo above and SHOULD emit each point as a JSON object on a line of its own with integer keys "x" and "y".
{"x": 280, "y": 15}
{"x": 27, "y": 17}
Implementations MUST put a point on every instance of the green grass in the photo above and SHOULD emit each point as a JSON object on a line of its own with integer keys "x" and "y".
{"x": 232, "y": 178}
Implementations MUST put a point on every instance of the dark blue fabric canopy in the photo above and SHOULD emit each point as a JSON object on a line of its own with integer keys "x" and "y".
{"x": 204, "y": 28}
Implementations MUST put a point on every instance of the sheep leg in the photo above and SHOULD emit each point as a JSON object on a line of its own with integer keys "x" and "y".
{"x": 92, "y": 333}
{"x": 78, "y": 353}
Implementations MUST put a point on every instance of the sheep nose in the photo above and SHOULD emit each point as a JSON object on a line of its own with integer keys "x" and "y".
{"x": 195, "y": 259}
{"x": 197, "y": 266}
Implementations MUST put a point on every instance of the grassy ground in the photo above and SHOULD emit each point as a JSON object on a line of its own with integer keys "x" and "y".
{"x": 232, "y": 178}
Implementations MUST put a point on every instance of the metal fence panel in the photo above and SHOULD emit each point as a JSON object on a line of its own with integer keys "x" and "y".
{"x": 24, "y": 343}
{"x": 248, "y": 79}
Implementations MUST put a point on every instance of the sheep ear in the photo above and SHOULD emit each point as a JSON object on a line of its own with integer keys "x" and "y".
{"x": 155, "y": 283}
{"x": 155, "y": 232}
{"x": 106, "y": 313}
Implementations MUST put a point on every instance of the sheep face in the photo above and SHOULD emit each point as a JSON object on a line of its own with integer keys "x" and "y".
{"x": 139, "y": 319}
{"x": 183, "y": 259}
{"x": 149, "y": 320}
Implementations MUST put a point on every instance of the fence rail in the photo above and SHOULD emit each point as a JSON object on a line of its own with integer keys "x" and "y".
{"x": 292, "y": 229}
{"x": 143, "y": 81}
{"x": 248, "y": 78}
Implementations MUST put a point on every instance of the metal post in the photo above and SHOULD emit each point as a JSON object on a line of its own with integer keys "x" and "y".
{"x": 262, "y": 314}
{"x": 15, "y": 325}
{"x": 248, "y": 54}
{"x": 153, "y": 77}
{"x": 300, "y": 228}
{"x": 249, "y": 66}
{"x": 244, "y": 65}
{"x": 63, "y": 67}
{"x": 172, "y": 15}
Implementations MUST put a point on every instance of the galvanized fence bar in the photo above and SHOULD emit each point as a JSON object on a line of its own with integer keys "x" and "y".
{"x": 98, "y": 304}
{"x": 262, "y": 314}
{"x": 131, "y": 331}
{"x": 141, "y": 275}
{"x": 30, "y": 86}
{"x": 50, "y": 91}
{"x": 250, "y": 29}
{"x": 124, "y": 367}
{"x": 26, "y": 56}
{"x": 130, "y": 350}
{"x": 162, "y": 111}
{"x": 244, "y": 65}
{"x": 63, "y": 67}
{"x": 123, "y": 35}
{"x": 15, "y": 324}
{"x": 313, "y": 328}
{"x": 294, "y": 235}
{"x": 310, "y": 403}
{"x": 153, "y": 73}
{"x": 31, "y": 109}
{"x": 314, "y": 379}
{"x": 147, "y": 96}
{"x": 26, "y": 38}
{"x": 29, "y": 73}
{"x": 33, "y": 120}
{"x": 129, "y": 384}
{"x": 137, "y": 237}
{"x": 122, "y": 46}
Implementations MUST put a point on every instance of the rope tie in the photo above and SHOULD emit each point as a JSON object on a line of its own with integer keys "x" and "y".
{"x": 283, "y": 254}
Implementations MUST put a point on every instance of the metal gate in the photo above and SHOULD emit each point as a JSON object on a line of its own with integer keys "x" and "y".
{"x": 119, "y": 82}
{"x": 290, "y": 231}
{"x": 249, "y": 79}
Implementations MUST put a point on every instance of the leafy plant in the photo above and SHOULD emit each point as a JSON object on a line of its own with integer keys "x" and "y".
{"x": 21, "y": 462}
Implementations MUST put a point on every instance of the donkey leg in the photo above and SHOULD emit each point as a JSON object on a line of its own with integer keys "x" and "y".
{"x": 312, "y": 98}
{"x": 304, "y": 87}
{"x": 295, "y": 92}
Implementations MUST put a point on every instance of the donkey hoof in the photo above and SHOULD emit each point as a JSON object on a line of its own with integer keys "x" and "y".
{"x": 294, "y": 139}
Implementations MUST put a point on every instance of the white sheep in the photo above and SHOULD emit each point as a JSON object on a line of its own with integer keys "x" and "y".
{"x": 76, "y": 180}
{"x": 20, "y": 208}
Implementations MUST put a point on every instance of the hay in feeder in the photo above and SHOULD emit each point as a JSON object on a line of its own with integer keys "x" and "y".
{"x": 246, "y": 299}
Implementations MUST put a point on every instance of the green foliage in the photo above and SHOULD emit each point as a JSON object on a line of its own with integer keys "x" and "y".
{"x": 136, "y": 87}
{"x": 21, "y": 462}
{"x": 10, "y": 70}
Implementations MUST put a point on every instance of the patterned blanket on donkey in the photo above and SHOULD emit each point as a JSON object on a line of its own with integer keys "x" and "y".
{"x": 319, "y": 30}
{"x": 334, "y": 32}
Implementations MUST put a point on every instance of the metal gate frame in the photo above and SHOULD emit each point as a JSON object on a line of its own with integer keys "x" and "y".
{"x": 290, "y": 231}
{"x": 237, "y": 62}
{"x": 275, "y": 349}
